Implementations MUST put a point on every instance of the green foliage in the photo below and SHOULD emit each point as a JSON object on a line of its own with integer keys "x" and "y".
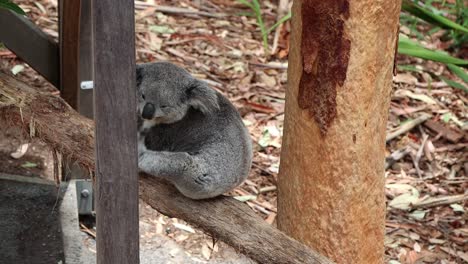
{"x": 456, "y": 32}
{"x": 458, "y": 71}
{"x": 7, "y": 4}
{"x": 279, "y": 22}
{"x": 431, "y": 17}
{"x": 257, "y": 13}
{"x": 255, "y": 7}
{"x": 411, "y": 48}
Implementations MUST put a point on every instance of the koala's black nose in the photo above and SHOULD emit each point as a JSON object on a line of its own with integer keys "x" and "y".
{"x": 148, "y": 111}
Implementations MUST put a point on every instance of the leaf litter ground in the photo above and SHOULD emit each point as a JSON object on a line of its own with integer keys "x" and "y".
{"x": 426, "y": 163}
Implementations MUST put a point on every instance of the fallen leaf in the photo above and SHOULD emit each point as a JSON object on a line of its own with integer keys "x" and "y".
{"x": 161, "y": 29}
{"x": 20, "y": 151}
{"x": 245, "y": 198}
{"x": 417, "y": 247}
{"x": 421, "y": 97}
{"x": 404, "y": 201}
{"x": 418, "y": 214}
{"x": 17, "y": 69}
{"x": 405, "y": 78}
{"x": 437, "y": 241}
{"x": 457, "y": 208}
{"x": 206, "y": 252}
{"x": 184, "y": 227}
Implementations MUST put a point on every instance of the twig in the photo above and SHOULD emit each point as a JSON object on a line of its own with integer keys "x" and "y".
{"x": 395, "y": 156}
{"x": 419, "y": 154}
{"x": 282, "y": 10}
{"x": 407, "y": 127}
{"x": 271, "y": 65}
{"x": 178, "y": 10}
{"x": 87, "y": 231}
{"x": 438, "y": 201}
{"x": 431, "y": 85}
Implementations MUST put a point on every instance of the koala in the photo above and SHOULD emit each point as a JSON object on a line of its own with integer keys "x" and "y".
{"x": 188, "y": 133}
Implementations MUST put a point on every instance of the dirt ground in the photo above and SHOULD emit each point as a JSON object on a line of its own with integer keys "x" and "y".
{"x": 225, "y": 49}
{"x": 30, "y": 230}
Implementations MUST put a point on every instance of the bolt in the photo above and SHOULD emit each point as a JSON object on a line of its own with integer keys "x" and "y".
{"x": 85, "y": 193}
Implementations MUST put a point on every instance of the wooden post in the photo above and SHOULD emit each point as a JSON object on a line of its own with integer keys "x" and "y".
{"x": 331, "y": 182}
{"x": 116, "y": 132}
{"x": 69, "y": 28}
{"x": 85, "y": 70}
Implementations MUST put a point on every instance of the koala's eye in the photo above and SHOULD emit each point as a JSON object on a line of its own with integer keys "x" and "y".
{"x": 164, "y": 106}
{"x": 143, "y": 96}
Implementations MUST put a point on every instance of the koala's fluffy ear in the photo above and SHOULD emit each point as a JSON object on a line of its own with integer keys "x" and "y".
{"x": 202, "y": 97}
{"x": 139, "y": 74}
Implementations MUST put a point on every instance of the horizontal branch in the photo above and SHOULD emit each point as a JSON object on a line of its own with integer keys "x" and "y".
{"x": 57, "y": 124}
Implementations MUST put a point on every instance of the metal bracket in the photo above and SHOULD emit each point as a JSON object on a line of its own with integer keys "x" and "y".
{"x": 86, "y": 85}
{"x": 85, "y": 197}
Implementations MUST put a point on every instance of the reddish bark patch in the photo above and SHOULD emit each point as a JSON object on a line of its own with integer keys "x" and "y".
{"x": 325, "y": 54}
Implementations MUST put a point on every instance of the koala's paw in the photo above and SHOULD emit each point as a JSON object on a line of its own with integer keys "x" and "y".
{"x": 144, "y": 161}
{"x": 141, "y": 147}
{"x": 203, "y": 179}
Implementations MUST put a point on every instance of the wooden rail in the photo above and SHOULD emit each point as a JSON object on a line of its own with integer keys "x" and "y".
{"x": 31, "y": 44}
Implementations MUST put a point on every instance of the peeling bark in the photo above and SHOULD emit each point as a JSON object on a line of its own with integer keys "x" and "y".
{"x": 325, "y": 54}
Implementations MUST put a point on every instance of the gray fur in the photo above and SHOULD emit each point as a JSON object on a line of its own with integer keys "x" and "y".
{"x": 197, "y": 141}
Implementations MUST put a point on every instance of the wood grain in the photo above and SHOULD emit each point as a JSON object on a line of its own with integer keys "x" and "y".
{"x": 116, "y": 132}
{"x": 225, "y": 218}
{"x": 331, "y": 182}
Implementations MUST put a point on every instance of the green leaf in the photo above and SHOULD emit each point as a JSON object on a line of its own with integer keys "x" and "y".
{"x": 281, "y": 21}
{"x": 411, "y": 68}
{"x": 28, "y": 164}
{"x": 458, "y": 72}
{"x": 446, "y": 117}
{"x": 247, "y": 3}
{"x": 6, "y": 4}
{"x": 411, "y": 48}
{"x": 431, "y": 17}
{"x": 454, "y": 84}
{"x": 161, "y": 29}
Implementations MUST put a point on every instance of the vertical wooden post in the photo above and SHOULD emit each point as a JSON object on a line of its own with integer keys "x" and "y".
{"x": 331, "y": 182}
{"x": 69, "y": 28}
{"x": 85, "y": 71}
{"x": 116, "y": 128}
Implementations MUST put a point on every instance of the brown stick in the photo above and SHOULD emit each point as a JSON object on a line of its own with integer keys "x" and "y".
{"x": 438, "y": 201}
{"x": 58, "y": 125}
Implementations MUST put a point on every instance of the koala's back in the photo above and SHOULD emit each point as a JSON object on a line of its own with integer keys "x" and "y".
{"x": 220, "y": 137}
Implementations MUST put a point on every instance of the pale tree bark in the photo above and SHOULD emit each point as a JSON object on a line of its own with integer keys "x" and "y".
{"x": 331, "y": 182}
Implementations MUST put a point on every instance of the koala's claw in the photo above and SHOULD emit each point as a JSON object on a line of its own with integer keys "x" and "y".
{"x": 203, "y": 179}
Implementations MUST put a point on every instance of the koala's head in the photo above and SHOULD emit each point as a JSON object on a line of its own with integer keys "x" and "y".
{"x": 166, "y": 92}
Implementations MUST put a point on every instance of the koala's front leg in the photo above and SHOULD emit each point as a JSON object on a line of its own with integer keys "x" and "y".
{"x": 169, "y": 165}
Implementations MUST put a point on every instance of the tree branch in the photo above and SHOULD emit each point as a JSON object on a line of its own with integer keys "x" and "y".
{"x": 48, "y": 117}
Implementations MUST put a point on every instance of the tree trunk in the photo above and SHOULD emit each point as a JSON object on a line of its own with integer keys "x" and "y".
{"x": 331, "y": 182}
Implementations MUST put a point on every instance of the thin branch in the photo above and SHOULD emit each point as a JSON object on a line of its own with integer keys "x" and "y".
{"x": 438, "y": 201}
{"x": 407, "y": 127}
